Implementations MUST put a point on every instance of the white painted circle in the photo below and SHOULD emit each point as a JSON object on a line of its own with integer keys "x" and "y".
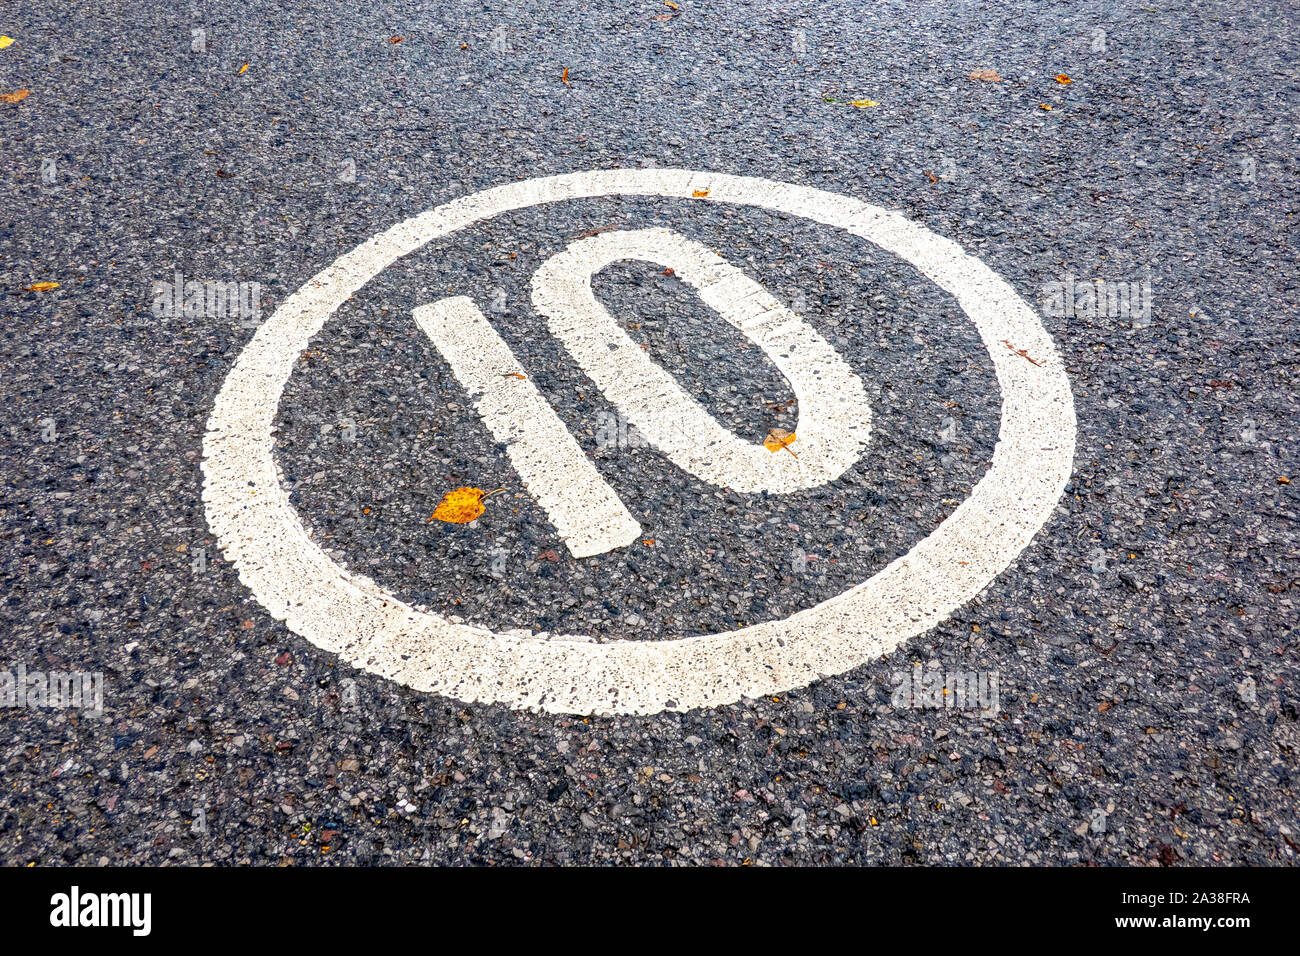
{"x": 371, "y": 628}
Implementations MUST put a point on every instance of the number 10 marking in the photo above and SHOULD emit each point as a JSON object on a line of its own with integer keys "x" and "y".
{"x": 834, "y": 415}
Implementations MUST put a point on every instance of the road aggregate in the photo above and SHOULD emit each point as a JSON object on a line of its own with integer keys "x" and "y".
{"x": 1144, "y": 646}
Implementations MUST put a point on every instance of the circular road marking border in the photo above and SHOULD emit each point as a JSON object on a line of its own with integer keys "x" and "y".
{"x": 349, "y": 615}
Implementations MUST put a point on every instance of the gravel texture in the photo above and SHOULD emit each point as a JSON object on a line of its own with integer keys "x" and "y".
{"x": 1145, "y": 644}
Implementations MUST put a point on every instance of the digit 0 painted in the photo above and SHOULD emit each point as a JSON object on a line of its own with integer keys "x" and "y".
{"x": 834, "y": 415}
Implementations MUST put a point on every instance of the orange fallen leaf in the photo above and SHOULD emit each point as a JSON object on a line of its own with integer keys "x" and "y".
{"x": 521, "y": 378}
{"x": 564, "y": 77}
{"x": 1063, "y": 79}
{"x": 672, "y": 6}
{"x": 396, "y": 39}
{"x": 1103, "y": 707}
{"x": 700, "y": 193}
{"x": 1283, "y": 480}
{"x": 649, "y": 542}
{"x": 1043, "y": 106}
{"x": 42, "y": 286}
{"x": 16, "y": 96}
{"x": 460, "y": 506}
{"x": 986, "y": 76}
{"x": 778, "y": 438}
{"x": 243, "y": 69}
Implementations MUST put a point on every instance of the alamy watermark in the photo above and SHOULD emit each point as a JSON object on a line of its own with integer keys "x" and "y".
{"x": 210, "y": 298}
{"x": 75, "y": 909}
{"x": 615, "y": 431}
{"x": 20, "y": 687}
{"x": 933, "y": 688}
{"x": 1099, "y": 298}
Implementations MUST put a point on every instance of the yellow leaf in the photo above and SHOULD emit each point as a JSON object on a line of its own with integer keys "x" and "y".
{"x": 863, "y": 104}
{"x": 42, "y": 286}
{"x": 778, "y": 438}
{"x": 672, "y": 6}
{"x": 1043, "y": 106}
{"x": 6, "y": 41}
{"x": 460, "y": 506}
{"x": 1063, "y": 79}
{"x": 242, "y": 69}
{"x": 700, "y": 193}
{"x": 564, "y": 77}
{"x": 16, "y": 96}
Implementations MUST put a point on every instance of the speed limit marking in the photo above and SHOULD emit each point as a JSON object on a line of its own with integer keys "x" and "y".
{"x": 834, "y": 417}
{"x": 350, "y": 615}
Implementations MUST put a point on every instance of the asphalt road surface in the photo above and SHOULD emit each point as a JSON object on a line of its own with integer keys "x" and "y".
{"x": 1118, "y": 685}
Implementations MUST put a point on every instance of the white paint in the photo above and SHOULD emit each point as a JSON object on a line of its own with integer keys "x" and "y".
{"x": 834, "y": 416}
{"x": 369, "y": 627}
{"x": 583, "y": 508}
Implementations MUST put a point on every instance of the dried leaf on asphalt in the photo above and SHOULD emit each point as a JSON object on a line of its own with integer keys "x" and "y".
{"x": 986, "y": 76}
{"x": 1023, "y": 353}
{"x": 860, "y": 104}
{"x": 564, "y": 77}
{"x": 778, "y": 438}
{"x": 460, "y": 506}
{"x": 243, "y": 69}
{"x": 396, "y": 39}
{"x": 15, "y": 96}
{"x": 42, "y": 286}
{"x": 700, "y": 193}
{"x": 1063, "y": 79}
{"x": 6, "y": 41}
{"x": 594, "y": 232}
